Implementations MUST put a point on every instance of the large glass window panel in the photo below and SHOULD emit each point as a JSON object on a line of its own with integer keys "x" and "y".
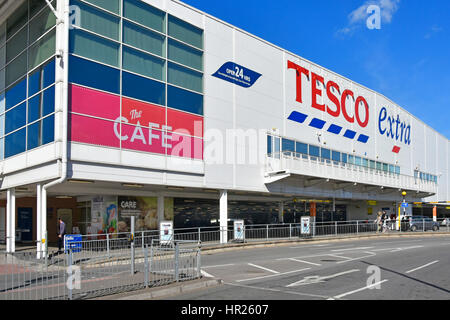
{"x": 16, "y": 69}
{"x": 37, "y": 5}
{"x": 17, "y": 20}
{"x": 16, "y": 118}
{"x": 42, "y": 50}
{"x": 185, "y": 78}
{"x": 143, "y": 63}
{"x": 41, "y": 78}
{"x": 16, "y": 94}
{"x": 144, "y": 89}
{"x": 288, "y": 145}
{"x": 277, "y": 147}
{"x": 48, "y": 103}
{"x": 93, "y": 47}
{"x": 301, "y": 148}
{"x": 185, "y": 32}
{"x": 2, "y": 125}
{"x": 336, "y": 156}
{"x": 358, "y": 161}
{"x": 365, "y": 163}
{"x": 94, "y": 75}
{"x": 325, "y": 153}
{"x": 344, "y": 158}
{"x": 2, "y": 34}
{"x": 111, "y": 5}
{"x": 314, "y": 151}
{"x": 16, "y": 44}
{"x": 185, "y": 55}
{"x": 34, "y": 135}
{"x": 379, "y": 166}
{"x": 385, "y": 167}
{"x": 372, "y": 164}
{"x": 98, "y": 21}
{"x": 184, "y": 100}
{"x": 143, "y": 39}
{"x": 15, "y": 143}
{"x": 48, "y": 129}
{"x": 269, "y": 145}
{"x": 144, "y": 14}
{"x": 40, "y": 24}
{"x": 397, "y": 169}
{"x": 2, "y": 149}
{"x": 391, "y": 168}
{"x": 34, "y": 108}
{"x": 351, "y": 159}
{"x": 2, "y": 65}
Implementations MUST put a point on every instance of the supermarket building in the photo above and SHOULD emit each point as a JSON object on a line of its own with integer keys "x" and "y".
{"x": 157, "y": 107}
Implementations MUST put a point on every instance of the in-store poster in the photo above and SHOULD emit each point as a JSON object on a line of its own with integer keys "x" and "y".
{"x": 145, "y": 209}
{"x": 104, "y": 215}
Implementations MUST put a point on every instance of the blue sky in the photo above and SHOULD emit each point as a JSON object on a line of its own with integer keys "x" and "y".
{"x": 407, "y": 60}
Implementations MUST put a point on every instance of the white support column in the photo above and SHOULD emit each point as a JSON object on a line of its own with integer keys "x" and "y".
{"x": 281, "y": 212}
{"x": 44, "y": 234}
{"x": 160, "y": 209}
{"x": 223, "y": 216}
{"x": 38, "y": 221}
{"x": 11, "y": 220}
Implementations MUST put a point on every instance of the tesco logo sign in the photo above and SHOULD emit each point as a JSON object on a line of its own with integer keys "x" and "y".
{"x": 350, "y": 113}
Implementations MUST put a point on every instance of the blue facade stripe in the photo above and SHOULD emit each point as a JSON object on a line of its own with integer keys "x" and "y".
{"x": 363, "y": 138}
{"x": 350, "y": 134}
{"x": 317, "y": 123}
{"x": 335, "y": 129}
{"x": 298, "y": 117}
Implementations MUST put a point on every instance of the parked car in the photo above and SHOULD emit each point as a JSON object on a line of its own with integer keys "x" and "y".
{"x": 445, "y": 222}
{"x": 422, "y": 223}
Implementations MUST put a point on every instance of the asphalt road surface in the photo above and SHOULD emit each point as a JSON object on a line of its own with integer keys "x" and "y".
{"x": 373, "y": 269}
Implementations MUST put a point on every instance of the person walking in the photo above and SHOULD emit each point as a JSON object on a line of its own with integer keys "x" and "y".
{"x": 379, "y": 221}
{"x": 61, "y": 233}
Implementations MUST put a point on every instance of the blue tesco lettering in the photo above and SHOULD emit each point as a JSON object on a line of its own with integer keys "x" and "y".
{"x": 393, "y": 128}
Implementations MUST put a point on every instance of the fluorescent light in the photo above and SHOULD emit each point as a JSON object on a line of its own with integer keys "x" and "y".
{"x": 175, "y": 188}
{"x": 63, "y": 197}
{"x": 132, "y": 185}
{"x": 80, "y": 181}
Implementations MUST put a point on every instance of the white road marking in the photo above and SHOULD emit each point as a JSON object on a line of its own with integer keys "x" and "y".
{"x": 307, "y": 262}
{"x": 259, "y": 267}
{"x": 219, "y": 265}
{"x": 206, "y": 274}
{"x": 353, "y": 249}
{"x": 273, "y": 275}
{"x": 424, "y": 266}
{"x": 275, "y": 290}
{"x": 341, "y": 257}
{"x": 357, "y": 290}
{"x": 317, "y": 279}
{"x": 371, "y": 254}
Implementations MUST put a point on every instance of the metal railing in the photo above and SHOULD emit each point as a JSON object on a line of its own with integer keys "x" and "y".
{"x": 87, "y": 269}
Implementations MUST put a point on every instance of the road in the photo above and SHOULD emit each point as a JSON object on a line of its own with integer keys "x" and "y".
{"x": 372, "y": 269}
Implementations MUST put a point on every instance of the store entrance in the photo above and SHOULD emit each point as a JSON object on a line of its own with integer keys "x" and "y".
{"x": 66, "y": 216}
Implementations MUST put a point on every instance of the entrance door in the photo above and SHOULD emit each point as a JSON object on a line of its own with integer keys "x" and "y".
{"x": 2, "y": 225}
{"x": 66, "y": 216}
{"x": 25, "y": 223}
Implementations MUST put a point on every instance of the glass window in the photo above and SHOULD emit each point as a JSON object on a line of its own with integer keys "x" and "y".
{"x": 143, "y": 63}
{"x": 41, "y": 78}
{"x": 184, "y": 100}
{"x": 37, "y": 5}
{"x": 185, "y": 78}
{"x": 94, "y": 75}
{"x": 314, "y": 151}
{"x": 301, "y": 148}
{"x": 379, "y": 166}
{"x": 325, "y": 153}
{"x": 132, "y": 87}
{"x": 40, "y": 24}
{"x": 372, "y": 164}
{"x": 2, "y": 149}
{"x": 269, "y": 145}
{"x": 344, "y": 158}
{"x": 16, "y": 118}
{"x": 48, "y": 103}
{"x": 34, "y": 133}
{"x": 391, "y": 168}
{"x": 351, "y": 159}
{"x": 2, "y": 125}
{"x": 34, "y": 108}
{"x": 277, "y": 147}
{"x": 16, "y": 44}
{"x": 144, "y": 14}
{"x": 336, "y": 156}
{"x": 385, "y": 167}
{"x": 288, "y": 145}
{"x": 365, "y": 163}
{"x": 93, "y": 47}
{"x": 421, "y": 176}
{"x": 358, "y": 161}
{"x": 144, "y": 39}
{"x": 16, "y": 69}
{"x": 42, "y": 50}
{"x": 15, "y": 143}
{"x": 185, "y": 32}
{"x": 17, "y": 20}
{"x": 16, "y": 94}
{"x": 111, "y": 5}
{"x": 48, "y": 130}
{"x": 98, "y": 21}
{"x": 397, "y": 169}
{"x": 185, "y": 55}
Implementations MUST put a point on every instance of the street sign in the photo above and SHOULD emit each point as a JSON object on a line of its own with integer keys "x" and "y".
{"x": 405, "y": 205}
{"x": 239, "y": 230}
{"x": 305, "y": 225}
{"x": 73, "y": 242}
{"x": 166, "y": 232}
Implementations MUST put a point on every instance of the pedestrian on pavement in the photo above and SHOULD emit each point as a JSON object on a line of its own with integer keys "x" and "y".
{"x": 61, "y": 233}
{"x": 379, "y": 221}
